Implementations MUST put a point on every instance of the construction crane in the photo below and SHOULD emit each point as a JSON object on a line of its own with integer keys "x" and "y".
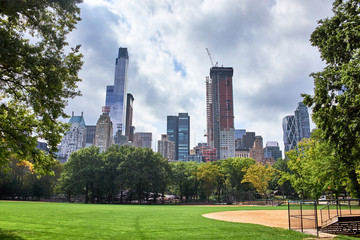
{"x": 211, "y": 59}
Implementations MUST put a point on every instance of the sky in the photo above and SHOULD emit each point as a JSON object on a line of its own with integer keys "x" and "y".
{"x": 265, "y": 41}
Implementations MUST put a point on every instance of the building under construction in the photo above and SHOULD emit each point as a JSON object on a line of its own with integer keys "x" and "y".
{"x": 220, "y": 112}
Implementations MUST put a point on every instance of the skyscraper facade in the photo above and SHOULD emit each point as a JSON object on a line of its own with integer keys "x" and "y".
{"x": 257, "y": 150}
{"x": 90, "y": 135}
{"x": 104, "y": 131}
{"x": 129, "y": 130}
{"x": 74, "y": 139}
{"x": 166, "y": 148}
{"x": 116, "y": 94}
{"x": 183, "y": 136}
{"x": 289, "y": 131}
{"x": 302, "y": 122}
{"x": 143, "y": 139}
{"x": 272, "y": 151}
{"x": 222, "y": 111}
{"x": 296, "y": 127}
{"x": 178, "y": 131}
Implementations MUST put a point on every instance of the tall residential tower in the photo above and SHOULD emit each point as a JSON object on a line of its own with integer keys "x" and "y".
{"x": 116, "y": 94}
{"x": 222, "y": 112}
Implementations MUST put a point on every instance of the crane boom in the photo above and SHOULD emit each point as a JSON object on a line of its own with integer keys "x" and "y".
{"x": 211, "y": 60}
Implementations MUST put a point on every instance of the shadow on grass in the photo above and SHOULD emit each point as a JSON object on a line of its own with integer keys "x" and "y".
{"x": 8, "y": 234}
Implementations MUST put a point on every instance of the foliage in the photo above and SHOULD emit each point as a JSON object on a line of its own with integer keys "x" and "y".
{"x": 233, "y": 174}
{"x": 184, "y": 182}
{"x": 37, "y": 76}
{"x": 120, "y": 169}
{"x": 83, "y": 173}
{"x": 208, "y": 176}
{"x": 315, "y": 168}
{"x": 259, "y": 176}
{"x": 336, "y": 100}
{"x": 18, "y": 181}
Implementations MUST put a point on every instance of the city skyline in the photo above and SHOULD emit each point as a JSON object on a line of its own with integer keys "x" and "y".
{"x": 266, "y": 44}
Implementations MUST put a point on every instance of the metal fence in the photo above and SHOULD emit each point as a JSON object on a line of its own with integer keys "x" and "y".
{"x": 303, "y": 215}
{"x": 330, "y": 209}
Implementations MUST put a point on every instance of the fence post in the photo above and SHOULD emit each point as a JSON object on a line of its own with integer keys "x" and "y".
{"x": 301, "y": 213}
{"x": 289, "y": 214}
{"x": 316, "y": 219}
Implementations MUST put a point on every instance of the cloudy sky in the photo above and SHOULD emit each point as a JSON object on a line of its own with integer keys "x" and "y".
{"x": 265, "y": 41}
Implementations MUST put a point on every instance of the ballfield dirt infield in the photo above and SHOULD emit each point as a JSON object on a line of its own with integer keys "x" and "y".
{"x": 270, "y": 218}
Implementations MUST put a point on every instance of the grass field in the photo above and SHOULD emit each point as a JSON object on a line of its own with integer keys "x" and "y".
{"x": 37, "y": 220}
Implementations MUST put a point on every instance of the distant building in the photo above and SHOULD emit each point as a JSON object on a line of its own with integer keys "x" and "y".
{"x": 166, "y": 148}
{"x": 272, "y": 151}
{"x": 178, "y": 131}
{"x": 74, "y": 139}
{"x": 296, "y": 127}
{"x": 239, "y": 133}
{"x": 116, "y": 94}
{"x": 143, "y": 139}
{"x": 193, "y": 158}
{"x": 289, "y": 131}
{"x": 245, "y": 142}
{"x": 257, "y": 150}
{"x": 242, "y": 153}
{"x": 129, "y": 129}
{"x": 302, "y": 122}
{"x": 104, "y": 131}
{"x": 42, "y": 146}
{"x": 222, "y": 112}
{"x": 90, "y": 135}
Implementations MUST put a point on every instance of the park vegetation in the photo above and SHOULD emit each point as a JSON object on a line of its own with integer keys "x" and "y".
{"x": 38, "y": 76}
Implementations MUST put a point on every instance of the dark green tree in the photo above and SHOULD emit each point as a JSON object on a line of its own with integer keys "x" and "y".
{"x": 184, "y": 182}
{"x": 336, "y": 100}
{"x": 38, "y": 74}
{"x": 84, "y": 174}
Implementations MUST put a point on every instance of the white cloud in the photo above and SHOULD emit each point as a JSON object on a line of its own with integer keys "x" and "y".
{"x": 266, "y": 42}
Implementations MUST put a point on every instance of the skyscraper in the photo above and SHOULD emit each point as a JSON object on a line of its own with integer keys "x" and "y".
{"x": 272, "y": 151}
{"x": 143, "y": 139}
{"x": 104, "y": 130}
{"x": 178, "y": 131}
{"x": 222, "y": 112}
{"x": 302, "y": 122}
{"x": 74, "y": 139}
{"x": 183, "y": 136}
{"x": 257, "y": 150}
{"x": 116, "y": 94}
{"x": 166, "y": 148}
{"x": 289, "y": 131}
{"x": 296, "y": 127}
{"x": 129, "y": 130}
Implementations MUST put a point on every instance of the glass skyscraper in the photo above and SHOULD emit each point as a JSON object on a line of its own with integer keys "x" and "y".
{"x": 289, "y": 130}
{"x": 178, "y": 131}
{"x": 302, "y": 122}
{"x": 116, "y": 94}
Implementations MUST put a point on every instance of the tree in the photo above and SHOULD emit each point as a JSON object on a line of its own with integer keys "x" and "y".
{"x": 336, "y": 100}
{"x": 208, "y": 175}
{"x": 38, "y": 74}
{"x": 184, "y": 182}
{"x": 259, "y": 176}
{"x": 315, "y": 168}
{"x": 83, "y": 174}
{"x": 232, "y": 170}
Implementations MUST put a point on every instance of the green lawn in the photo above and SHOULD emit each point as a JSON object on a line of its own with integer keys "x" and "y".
{"x": 37, "y": 220}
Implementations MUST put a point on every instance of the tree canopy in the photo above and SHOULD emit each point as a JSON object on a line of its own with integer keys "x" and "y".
{"x": 336, "y": 100}
{"x": 38, "y": 74}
